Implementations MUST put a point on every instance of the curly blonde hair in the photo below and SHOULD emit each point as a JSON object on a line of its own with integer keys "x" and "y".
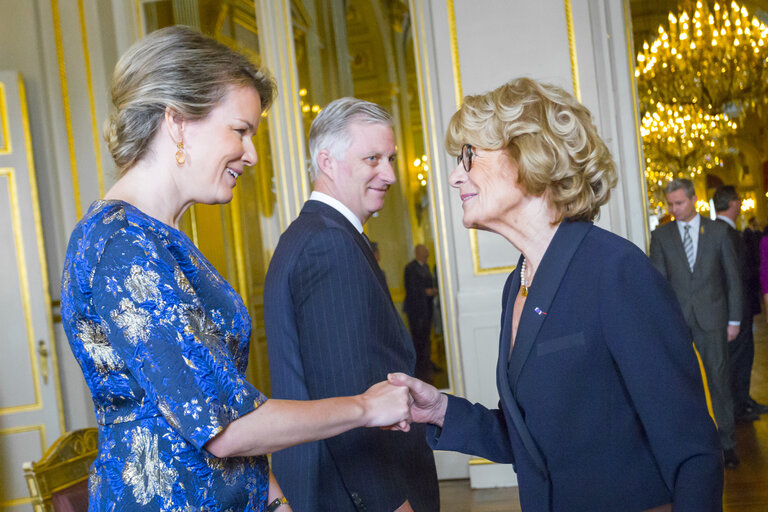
{"x": 552, "y": 139}
{"x": 174, "y": 67}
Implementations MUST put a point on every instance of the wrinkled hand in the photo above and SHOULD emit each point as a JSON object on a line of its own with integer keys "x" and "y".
{"x": 733, "y": 331}
{"x": 429, "y": 404}
{"x": 387, "y": 405}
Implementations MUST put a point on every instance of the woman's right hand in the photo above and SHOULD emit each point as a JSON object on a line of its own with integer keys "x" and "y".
{"x": 387, "y": 405}
{"x": 429, "y": 404}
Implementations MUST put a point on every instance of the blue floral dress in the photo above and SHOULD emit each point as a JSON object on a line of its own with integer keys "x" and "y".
{"x": 162, "y": 340}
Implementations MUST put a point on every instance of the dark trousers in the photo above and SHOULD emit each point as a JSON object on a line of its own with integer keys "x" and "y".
{"x": 713, "y": 349}
{"x": 741, "y": 352}
{"x": 421, "y": 333}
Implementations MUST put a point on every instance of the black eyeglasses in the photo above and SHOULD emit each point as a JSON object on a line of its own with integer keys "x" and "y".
{"x": 465, "y": 157}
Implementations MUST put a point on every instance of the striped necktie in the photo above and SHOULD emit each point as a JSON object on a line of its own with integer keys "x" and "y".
{"x": 688, "y": 246}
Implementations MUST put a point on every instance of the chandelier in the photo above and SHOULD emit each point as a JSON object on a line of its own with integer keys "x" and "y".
{"x": 705, "y": 69}
{"x": 681, "y": 141}
{"x": 715, "y": 59}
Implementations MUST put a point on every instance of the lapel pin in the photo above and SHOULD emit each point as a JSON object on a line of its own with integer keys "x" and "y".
{"x": 539, "y": 311}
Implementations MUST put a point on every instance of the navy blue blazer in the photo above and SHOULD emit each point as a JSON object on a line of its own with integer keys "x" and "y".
{"x": 602, "y": 406}
{"x": 332, "y": 330}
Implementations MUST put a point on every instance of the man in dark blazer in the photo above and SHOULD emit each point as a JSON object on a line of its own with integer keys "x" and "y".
{"x": 741, "y": 351}
{"x": 333, "y": 330}
{"x": 419, "y": 295}
{"x": 698, "y": 259}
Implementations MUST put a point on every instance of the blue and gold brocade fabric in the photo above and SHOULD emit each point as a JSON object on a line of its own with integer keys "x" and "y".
{"x": 162, "y": 340}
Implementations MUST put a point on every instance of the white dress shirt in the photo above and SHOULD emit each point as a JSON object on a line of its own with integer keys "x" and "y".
{"x": 695, "y": 224}
{"x": 338, "y": 206}
{"x": 727, "y": 220}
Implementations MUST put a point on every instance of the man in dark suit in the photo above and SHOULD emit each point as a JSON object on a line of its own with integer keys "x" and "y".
{"x": 333, "y": 330}
{"x": 698, "y": 259}
{"x": 741, "y": 351}
{"x": 418, "y": 304}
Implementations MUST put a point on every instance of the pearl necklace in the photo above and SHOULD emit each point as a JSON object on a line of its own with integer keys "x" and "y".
{"x": 523, "y": 281}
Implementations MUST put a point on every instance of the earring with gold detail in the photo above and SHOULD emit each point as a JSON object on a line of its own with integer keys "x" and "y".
{"x": 181, "y": 155}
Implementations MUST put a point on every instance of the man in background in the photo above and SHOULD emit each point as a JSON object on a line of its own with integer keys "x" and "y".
{"x": 741, "y": 351}
{"x": 697, "y": 257}
{"x": 418, "y": 307}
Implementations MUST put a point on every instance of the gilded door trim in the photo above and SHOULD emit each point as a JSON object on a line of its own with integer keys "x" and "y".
{"x": 7, "y": 147}
{"x": 91, "y": 100}
{"x": 33, "y": 192}
{"x": 628, "y": 36}
{"x": 572, "y": 48}
{"x": 477, "y": 268}
{"x": 66, "y": 105}
{"x": 8, "y": 172}
{"x": 18, "y": 430}
{"x": 473, "y": 245}
{"x": 436, "y": 187}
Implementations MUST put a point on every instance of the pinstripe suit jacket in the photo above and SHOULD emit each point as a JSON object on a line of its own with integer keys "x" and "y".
{"x": 332, "y": 330}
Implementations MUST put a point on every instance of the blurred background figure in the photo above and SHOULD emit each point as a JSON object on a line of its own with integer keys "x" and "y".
{"x": 418, "y": 306}
{"x": 741, "y": 350}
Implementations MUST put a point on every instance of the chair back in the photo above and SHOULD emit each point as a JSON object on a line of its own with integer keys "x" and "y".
{"x": 58, "y": 482}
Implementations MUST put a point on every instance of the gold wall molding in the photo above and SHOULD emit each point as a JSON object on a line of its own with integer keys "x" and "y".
{"x": 473, "y": 244}
{"x": 34, "y": 195}
{"x": 139, "y": 18}
{"x": 8, "y": 172}
{"x": 478, "y": 269}
{"x": 65, "y": 102}
{"x": 636, "y": 116}
{"x": 20, "y": 430}
{"x": 7, "y": 146}
{"x": 91, "y": 100}
{"x": 572, "y": 50}
{"x": 436, "y": 187}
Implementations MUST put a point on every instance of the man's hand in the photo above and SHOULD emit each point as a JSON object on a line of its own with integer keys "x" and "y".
{"x": 733, "y": 331}
{"x": 429, "y": 404}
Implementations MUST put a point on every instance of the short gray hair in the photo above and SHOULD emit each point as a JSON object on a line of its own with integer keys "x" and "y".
{"x": 174, "y": 67}
{"x": 329, "y": 130}
{"x": 681, "y": 184}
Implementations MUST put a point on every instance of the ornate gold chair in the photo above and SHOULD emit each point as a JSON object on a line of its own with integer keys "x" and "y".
{"x": 59, "y": 480}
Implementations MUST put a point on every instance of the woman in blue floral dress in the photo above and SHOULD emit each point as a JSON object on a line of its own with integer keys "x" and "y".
{"x": 161, "y": 337}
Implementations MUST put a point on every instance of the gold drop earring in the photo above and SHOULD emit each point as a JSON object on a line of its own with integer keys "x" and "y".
{"x": 181, "y": 155}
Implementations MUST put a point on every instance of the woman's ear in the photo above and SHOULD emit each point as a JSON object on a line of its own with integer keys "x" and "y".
{"x": 174, "y": 125}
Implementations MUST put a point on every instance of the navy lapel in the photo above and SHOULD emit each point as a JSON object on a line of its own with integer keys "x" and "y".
{"x": 336, "y": 218}
{"x": 542, "y": 291}
{"x": 512, "y": 409}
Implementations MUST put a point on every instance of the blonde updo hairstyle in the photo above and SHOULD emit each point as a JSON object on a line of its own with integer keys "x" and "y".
{"x": 549, "y": 135}
{"x": 174, "y": 67}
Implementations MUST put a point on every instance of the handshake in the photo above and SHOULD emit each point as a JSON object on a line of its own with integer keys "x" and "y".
{"x": 401, "y": 400}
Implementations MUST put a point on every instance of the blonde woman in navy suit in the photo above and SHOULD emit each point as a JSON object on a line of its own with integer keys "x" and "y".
{"x": 602, "y": 407}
